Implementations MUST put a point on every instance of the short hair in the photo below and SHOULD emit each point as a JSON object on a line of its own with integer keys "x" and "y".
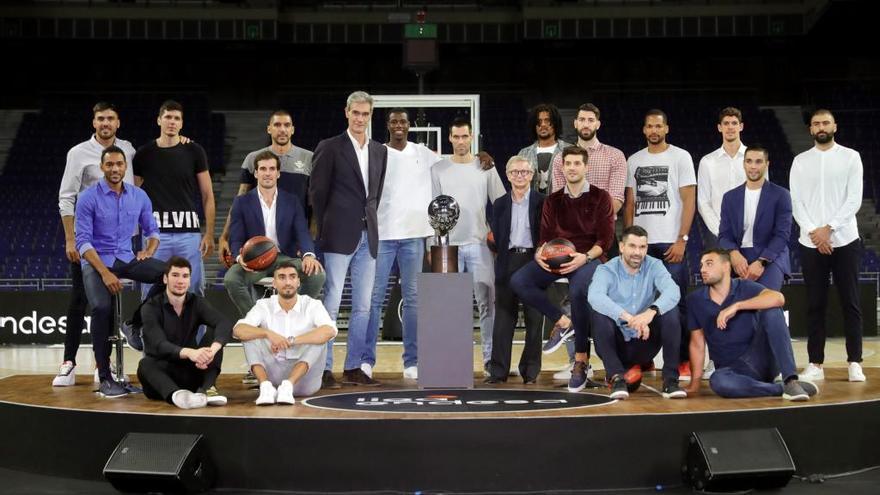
{"x": 102, "y": 106}
{"x": 820, "y": 111}
{"x": 113, "y": 149}
{"x": 395, "y": 110}
{"x": 280, "y": 113}
{"x": 633, "y": 230}
{"x": 358, "y": 97}
{"x": 516, "y": 159}
{"x": 552, "y": 112}
{"x": 286, "y": 264}
{"x": 177, "y": 262}
{"x": 461, "y": 122}
{"x": 759, "y": 148}
{"x": 589, "y": 107}
{"x": 267, "y": 155}
{"x": 658, "y": 113}
{"x": 575, "y": 150}
{"x": 730, "y": 112}
{"x": 170, "y": 106}
{"x": 724, "y": 254}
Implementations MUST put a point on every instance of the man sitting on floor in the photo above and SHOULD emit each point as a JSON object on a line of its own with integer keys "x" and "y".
{"x": 743, "y": 324}
{"x": 177, "y": 367}
{"x": 285, "y": 339}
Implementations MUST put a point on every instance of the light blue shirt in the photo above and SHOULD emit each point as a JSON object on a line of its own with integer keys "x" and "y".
{"x": 520, "y": 232}
{"x": 613, "y": 290}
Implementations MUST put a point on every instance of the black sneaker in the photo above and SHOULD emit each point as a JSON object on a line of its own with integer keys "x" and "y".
{"x": 111, "y": 389}
{"x": 671, "y": 390}
{"x": 557, "y": 337}
{"x": 133, "y": 335}
{"x": 328, "y": 382}
{"x": 578, "y": 377}
{"x": 618, "y": 388}
{"x": 492, "y": 380}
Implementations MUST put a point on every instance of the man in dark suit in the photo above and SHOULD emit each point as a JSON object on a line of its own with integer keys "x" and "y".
{"x": 278, "y": 215}
{"x": 516, "y": 220}
{"x": 756, "y": 224}
{"x": 348, "y": 172}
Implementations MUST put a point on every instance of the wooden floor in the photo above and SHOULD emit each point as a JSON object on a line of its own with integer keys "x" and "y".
{"x": 33, "y": 390}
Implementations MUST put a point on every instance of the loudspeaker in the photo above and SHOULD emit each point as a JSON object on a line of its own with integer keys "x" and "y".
{"x": 737, "y": 460}
{"x": 160, "y": 462}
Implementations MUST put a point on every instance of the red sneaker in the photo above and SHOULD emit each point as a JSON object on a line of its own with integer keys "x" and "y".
{"x": 684, "y": 372}
{"x": 633, "y": 378}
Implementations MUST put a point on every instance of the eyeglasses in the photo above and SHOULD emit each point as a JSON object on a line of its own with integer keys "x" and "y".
{"x": 519, "y": 173}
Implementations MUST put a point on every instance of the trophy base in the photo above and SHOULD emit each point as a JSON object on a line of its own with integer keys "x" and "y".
{"x": 444, "y": 259}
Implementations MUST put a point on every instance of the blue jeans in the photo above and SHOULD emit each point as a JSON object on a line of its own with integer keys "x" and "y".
{"x": 476, "y": 259}
{"x": 679, "y": 272}
{"x": 752, "y": 373}
{"x": 149, "y": 270}
{"x": 409, "y": 254}
{"x": 185, "y": 245}
{"x": 772, "y": 277}
{"x": 363, "y": 272}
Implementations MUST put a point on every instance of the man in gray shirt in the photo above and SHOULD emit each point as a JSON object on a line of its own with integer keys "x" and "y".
{"x": 545, "y": 124}
{"x": 462, "y": 177}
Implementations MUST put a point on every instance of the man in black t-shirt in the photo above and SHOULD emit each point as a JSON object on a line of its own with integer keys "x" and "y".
{"x": 173, "y": 174}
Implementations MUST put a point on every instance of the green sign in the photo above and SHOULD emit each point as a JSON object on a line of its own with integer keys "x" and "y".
{"x": 415, "y": 31}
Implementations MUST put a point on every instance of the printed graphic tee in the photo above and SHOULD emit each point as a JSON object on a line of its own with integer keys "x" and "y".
{"x": 655, "y": 179}
{"x": 170, "y": 181}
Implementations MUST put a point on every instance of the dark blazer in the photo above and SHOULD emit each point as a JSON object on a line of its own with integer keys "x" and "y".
{"x": 290, "y": 223}
{"x": 500, "y": 224}
{"x": 342, "y": 206}
{"x": 772, "y": 223}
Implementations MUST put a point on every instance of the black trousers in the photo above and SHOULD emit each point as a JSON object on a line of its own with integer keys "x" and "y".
{"x": 617, "y": 354}
{"x": 76, "y": 312}
{"x": 160, "y": 378}
{"x": 843, "y": 263}
{"x": 506, "y": 310}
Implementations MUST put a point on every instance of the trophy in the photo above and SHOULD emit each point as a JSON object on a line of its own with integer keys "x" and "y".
{"x": 443, "y": 215}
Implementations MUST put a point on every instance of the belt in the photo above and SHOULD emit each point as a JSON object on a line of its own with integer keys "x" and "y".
{"x": 521, "y": 250}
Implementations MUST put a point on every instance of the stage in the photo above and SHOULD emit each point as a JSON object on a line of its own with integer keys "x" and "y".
{"x": 509, "y": 437}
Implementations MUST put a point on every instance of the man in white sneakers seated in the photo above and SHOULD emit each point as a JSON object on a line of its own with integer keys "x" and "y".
{"x": 285, "y": 339}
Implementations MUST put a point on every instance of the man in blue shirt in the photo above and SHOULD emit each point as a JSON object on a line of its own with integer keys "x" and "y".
{"x": 748, "y": 339}
{"x": 106, "y": 216}
{"x": 630, "y": 322}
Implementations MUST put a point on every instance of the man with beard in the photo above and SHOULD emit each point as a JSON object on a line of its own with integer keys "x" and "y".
{"x": 756, "y": 224}
{"x": 743, "y": 324}
{"x": 630, "y": 322}
{"x": 544, "y": 123}
{"x": 660, "y": 199}
{"x": 178, "y": 367}
{"x": 285, "y": 340}
{"x": 826, "y": 193}
{"x": 584, "y": 215}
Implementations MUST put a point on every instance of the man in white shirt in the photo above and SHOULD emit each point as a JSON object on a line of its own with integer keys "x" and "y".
{"x": 660, "y": 198}
{"x": 826, "y": 193}
{"x": 719, "y": 172}
{"x": 285, "y": 340}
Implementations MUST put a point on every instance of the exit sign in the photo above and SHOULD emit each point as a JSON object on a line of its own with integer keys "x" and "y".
{"x": 416, "y": 31}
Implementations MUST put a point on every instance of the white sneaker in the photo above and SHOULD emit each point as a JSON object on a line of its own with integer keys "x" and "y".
{"x": 65, "y": 377}
{"x": 185, "y": 399}
{"x": 367, "y": 368}
{"x": 285, "y": 393}
{"x": 112, "y": 374}
{"x": 214, "y": 397}
{"x": 267, "y": 394}
{"x": 566, "y": 373}
{"x": 411, "y": 373}
{"x": 855, "y": 372}
{"x": 710, "y": 368}
{"x": 812, "y": 373}
{"x": 514, "y": 372}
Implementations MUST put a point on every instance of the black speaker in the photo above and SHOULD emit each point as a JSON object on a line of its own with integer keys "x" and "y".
{"x": 737, "y": 460}
{"x": 160, "y": 462}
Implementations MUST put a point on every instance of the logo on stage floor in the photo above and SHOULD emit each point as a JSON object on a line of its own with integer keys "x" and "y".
{"x": 459, "y": 401}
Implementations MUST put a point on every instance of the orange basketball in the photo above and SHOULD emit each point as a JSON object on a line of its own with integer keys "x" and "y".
{"x": 490, "y": 242}
{"x": 557, "y": 252}
{"x": 259, "y": 252}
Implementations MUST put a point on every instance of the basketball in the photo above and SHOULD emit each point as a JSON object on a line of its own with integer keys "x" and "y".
{"x": 490, "y": 242}
{"x": 633, "y": 378}
{"x": 259, "y": 252}
{"x": 557, "y": 252}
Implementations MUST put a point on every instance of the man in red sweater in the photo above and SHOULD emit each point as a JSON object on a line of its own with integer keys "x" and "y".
{"x": 583, "y": 214}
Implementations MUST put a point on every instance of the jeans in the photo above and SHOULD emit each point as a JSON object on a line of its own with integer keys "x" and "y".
{"x": 149, "y": 270}
{"x": 185, "y": 245}
{"x": 410, "y": 254}
{"x": 617, "y": 354}
{"x": 770, "y": 353}
{"x": 772, "y": 277}
{"x": 239, "y": 282}
{"x": 476, "y": 259}
{"x": 363, "y": 272}
{"x": 679, "y": 272}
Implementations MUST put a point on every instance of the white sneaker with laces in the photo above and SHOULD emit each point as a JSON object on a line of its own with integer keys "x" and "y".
{"x": 855, "y": 372}
{"x": 710, "y": 368}
{"x": 285, "y": 393}
{"x": 411, "y": 373}
{"x": 267, "y": 394}
{"x": 185, "y": 399}
{"x": 812, "y": 373}
{"x": 66, "y": 376}
{"x": 367, "y": 368}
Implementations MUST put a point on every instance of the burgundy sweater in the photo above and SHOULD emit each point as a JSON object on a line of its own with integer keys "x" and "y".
{"x": 586, "y": 221}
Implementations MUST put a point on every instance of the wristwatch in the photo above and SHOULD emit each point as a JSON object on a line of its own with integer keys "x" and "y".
{"x": 764, "y": 262}
{"x": 655, "y": 308}
{"x": 683, "y": 237}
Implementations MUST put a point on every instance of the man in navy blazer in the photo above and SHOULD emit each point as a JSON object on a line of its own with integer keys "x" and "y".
{"x": 516, "y": 224}
{"x": 756, "y": 224}
{"x": 277, "y": 214}
{"x": 348, "y": 172}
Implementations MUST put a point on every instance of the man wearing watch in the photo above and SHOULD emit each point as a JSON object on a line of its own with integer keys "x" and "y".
{"x": 630, "y": 323}
{"x": 661, "y": 198}
{"x": 756, "y": 224}
{"x": 269, "y": 211}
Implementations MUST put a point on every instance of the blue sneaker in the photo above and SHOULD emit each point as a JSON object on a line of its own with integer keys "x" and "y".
{"x": 111, "y": 389}
{"x": 133, "y": 335}
{"x": 558, "y": 337}
{"x": 578, "y": 377}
